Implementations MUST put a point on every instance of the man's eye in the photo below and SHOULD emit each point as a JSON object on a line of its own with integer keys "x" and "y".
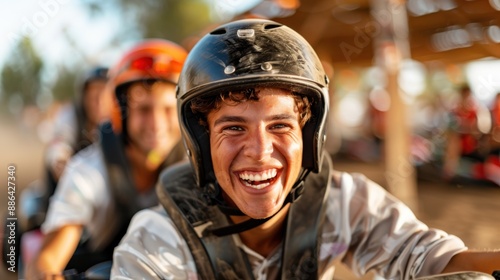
{"x": 233, "y": 128}
{"x": 281, "y": 126}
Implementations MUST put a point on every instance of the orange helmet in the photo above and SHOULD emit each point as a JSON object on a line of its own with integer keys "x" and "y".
{"x": 150, "y": 60}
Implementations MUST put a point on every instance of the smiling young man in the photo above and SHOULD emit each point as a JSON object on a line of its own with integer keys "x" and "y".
{"x": 260, "y": 199}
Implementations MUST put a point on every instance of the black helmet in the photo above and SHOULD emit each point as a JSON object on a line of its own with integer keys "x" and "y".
{"x": 250, "y": 53}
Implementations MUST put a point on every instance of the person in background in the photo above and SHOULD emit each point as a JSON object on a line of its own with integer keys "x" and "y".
{"x": 463, "y": 158}
{"x": 104, "y": 184}
{"x": 260, "y": 198}
{"x": 76, "y": 125}
{"x": 492, "y": 163}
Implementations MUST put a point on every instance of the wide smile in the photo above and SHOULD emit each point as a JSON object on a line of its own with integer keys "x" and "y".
{"x": 258, "y": 180}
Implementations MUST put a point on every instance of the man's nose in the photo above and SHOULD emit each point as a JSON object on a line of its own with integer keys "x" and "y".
{"x": 259, "y": 144}
{"x": 157, "y": 118}
{"x": 162, "y": 117}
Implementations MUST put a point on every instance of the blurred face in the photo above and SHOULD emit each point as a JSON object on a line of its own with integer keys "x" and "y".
{"x": 92, "y": 102}
{"x": 152, "y": 121}
{"x": 256, "y": 149}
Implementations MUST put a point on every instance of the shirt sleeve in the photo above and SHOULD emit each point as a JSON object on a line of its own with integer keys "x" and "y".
{"x": 79, "y": 192}
{"x": 386, "y": 236}
{"x": 152, "y": 248}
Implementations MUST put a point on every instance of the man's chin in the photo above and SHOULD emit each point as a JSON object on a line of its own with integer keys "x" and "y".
{"x": 154, "y": 158}
{"x": 154, "y": 146}
{"x": 262, "y": 214}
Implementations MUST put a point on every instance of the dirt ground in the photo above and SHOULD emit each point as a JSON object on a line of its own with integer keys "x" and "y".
{"x": 21, "y": 147}
{"x": 468, "y": 211}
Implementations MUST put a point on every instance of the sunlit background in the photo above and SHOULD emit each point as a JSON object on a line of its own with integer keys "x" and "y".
{"x": 47, "y": 45}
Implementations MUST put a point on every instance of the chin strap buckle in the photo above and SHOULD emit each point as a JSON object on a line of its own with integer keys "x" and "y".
{"x": 296, "y": 191}
{"x": 298, "y": 187}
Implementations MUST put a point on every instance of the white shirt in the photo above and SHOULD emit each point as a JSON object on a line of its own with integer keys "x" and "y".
{"x": 83, "y": 196}
{"x": 365, "y": 228}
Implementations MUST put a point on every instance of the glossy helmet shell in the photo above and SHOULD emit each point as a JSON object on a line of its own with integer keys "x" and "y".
{"x": 152, "y": 59}
{"x": 250, "y": 53}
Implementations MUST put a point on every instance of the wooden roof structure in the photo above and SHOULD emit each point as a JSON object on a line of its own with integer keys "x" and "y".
{"x": 342, "y": 31}
{"x": 363, "y": 33}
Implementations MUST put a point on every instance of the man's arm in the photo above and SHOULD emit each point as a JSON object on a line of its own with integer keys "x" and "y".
{"x": 483, "y": 261}
{"x": 55, "y": 253}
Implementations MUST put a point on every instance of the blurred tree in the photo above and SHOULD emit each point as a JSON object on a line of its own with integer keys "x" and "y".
{"x": 25, "y": 73}
{"x": 21, "y": 77}
{"x": 170, "y": 19}
{"x": 64, "y": 88}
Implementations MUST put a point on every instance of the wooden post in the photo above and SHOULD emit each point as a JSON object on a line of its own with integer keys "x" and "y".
{"x": 391, "y": 47}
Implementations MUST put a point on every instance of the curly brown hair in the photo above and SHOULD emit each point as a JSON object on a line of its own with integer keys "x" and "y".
{"x": 201, "y": 106}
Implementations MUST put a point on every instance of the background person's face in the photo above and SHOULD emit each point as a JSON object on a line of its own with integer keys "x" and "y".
{"x": 92, "y": 102}
{"x": 256, "y": 149}
{"x": 152, "y": 122}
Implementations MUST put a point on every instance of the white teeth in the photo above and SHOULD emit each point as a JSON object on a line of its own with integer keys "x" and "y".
{"x": 258, "y": 187}
{"x": 263, "y": 176}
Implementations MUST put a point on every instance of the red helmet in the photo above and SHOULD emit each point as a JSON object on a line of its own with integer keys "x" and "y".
{"x": 152, "y": 59}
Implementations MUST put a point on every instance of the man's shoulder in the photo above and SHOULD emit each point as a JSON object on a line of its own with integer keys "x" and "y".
{"x": 86, "y": 174}
{"x": 347, "y": 179}
{"x": 154, "y": 220}
{"x": 354, "y": 184}
{"x": 88, "y": 158}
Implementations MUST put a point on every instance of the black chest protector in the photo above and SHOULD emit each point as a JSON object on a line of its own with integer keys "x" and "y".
{"x": 218, "y": 257}
{"x": 121, "y": 183}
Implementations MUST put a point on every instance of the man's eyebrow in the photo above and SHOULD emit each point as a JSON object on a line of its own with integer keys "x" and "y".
{"x": 277, "y": 117}
{"x": 284, "y": 117}
{"x": 225, "y": 119}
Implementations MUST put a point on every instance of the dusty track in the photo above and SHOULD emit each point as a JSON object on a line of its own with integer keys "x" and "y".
{"x": 19, "y": 145}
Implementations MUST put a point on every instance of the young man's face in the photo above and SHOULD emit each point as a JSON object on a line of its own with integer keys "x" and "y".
{"x": 256, "y": 149}
{"x": 152, "y": 122}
